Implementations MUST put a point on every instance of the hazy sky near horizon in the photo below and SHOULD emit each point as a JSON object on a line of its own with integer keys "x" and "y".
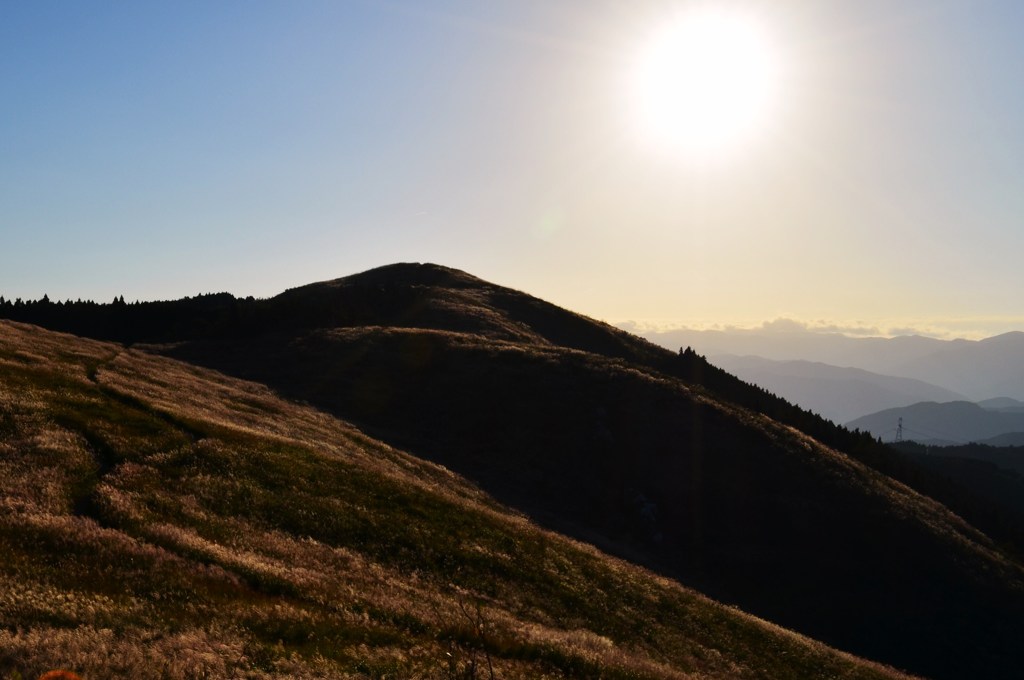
{"x": 157, "y": 150}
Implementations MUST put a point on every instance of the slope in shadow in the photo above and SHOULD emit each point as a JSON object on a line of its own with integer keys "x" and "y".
{"x": 619, "y": 453}
{"x": 654, "y": 455}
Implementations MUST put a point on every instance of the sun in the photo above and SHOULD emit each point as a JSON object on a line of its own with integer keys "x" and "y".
{"x": 705, "y": 82}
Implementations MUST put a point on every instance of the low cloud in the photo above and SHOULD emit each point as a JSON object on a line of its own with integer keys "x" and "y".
{"x": 784, "y": 326}
{"x": 787, "y": 325}
{"x": 966, "y": 328}
{"x": 943, "y": 329}
{"x": 917, "y": 330}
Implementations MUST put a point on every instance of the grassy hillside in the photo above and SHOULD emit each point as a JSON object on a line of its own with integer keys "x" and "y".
{"x": 727, "y": 500}
{"x": 162, "y": 521}
{"x": 425, "y": 296}
{"x": 657, "y": 456}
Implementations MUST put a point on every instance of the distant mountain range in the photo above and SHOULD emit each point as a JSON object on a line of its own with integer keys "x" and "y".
{"x": 655, "y": 456}
{"x": 839, "y": 394}
{"x": 956, "y": 422}
{"x": 1003, "y": 404}
{"x": 979, "y": 370}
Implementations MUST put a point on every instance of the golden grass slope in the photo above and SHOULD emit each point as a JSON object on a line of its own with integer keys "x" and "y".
{"x": 162, "y": 521}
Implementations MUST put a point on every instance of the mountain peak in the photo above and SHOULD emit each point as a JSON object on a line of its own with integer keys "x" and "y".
{"x": 406, "y": 274}
{"x": 1011, "y": 337}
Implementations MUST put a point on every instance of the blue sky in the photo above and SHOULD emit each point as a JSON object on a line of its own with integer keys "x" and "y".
{"x": 158, "y": 150}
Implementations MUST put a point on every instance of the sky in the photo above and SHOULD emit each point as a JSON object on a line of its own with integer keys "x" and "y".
{"x": 157, "y": 150}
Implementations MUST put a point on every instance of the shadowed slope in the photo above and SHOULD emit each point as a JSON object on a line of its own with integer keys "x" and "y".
{"x": 162, "y": 521}
{"x": 733, "y": 503}
{"x": 655, "y": 455}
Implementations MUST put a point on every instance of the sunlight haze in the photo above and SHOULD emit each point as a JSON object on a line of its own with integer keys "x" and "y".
{"x": 704, "y": 82}
{"x": 860, "y": 165}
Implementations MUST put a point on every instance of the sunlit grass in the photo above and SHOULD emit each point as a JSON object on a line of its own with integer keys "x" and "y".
{"x": 162, "y": 521}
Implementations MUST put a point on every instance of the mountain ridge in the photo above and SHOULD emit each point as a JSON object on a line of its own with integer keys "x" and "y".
{"x": 654, "y": 454}
{"x": 160, "y": 520}
{"x": 979, "y": 369}
{"x": 839, "y": 394}
{"x": 956, "y": 422}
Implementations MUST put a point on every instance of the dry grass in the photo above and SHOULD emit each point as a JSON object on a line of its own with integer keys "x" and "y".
{"x": 163, "y": 521}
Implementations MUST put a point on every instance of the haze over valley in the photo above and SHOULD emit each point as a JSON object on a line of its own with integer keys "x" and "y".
{"x": 844, "y": 377}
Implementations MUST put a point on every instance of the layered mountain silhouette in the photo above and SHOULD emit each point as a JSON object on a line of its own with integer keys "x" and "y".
{"x": 1010, "y": 439}
{"x": 653, "y": 455}
{"x": 839, "y": 394}
{"x": 1003, "y": 404}
{"x": 982, "y": 369}
{"x": 993, "y": 472}
{"x": 955, "y": 422}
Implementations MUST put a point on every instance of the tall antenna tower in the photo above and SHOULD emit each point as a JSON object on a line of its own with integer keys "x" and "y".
{"x": 899, "y": 431}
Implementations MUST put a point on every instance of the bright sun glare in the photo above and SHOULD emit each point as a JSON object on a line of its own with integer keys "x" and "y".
{"x": 705, "y": 82}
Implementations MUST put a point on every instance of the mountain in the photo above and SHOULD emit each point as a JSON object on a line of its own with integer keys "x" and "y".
{"x": 1007, "y": 439}
{"x": 1003, "y": 404}
{"x": 993, "y": 367}
{"x": 158, "y": 520}
{"x": 1008, "y": 458}
{"x": 993, "y": 472}
{"x": 981, "y": 369}
{"x": 839, "y": 394}
{"x": 653, "y": 455}
{"x": 957, "y": 422}
{"x": 790, "y": 342}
